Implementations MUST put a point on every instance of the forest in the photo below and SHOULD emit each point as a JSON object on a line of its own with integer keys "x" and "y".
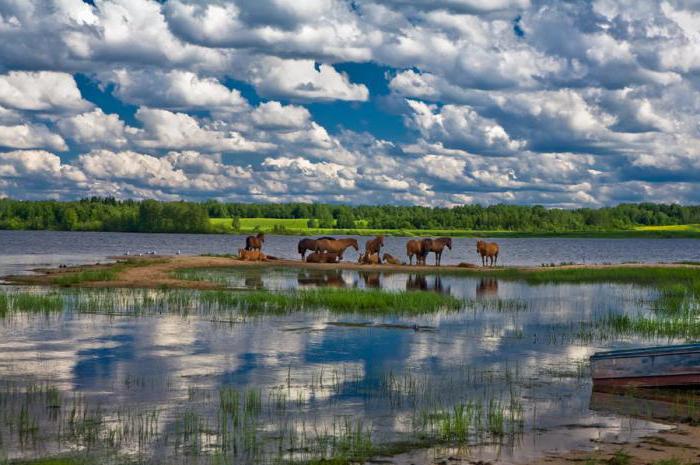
{"x": 109, "y": 214}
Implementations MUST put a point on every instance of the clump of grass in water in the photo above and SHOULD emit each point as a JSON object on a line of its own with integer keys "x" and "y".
{"x": 334, "y": 300}
{"x": 29, "y": 302}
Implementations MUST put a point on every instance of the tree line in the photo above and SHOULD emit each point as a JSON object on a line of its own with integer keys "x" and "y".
{"x": 109, "y": 214}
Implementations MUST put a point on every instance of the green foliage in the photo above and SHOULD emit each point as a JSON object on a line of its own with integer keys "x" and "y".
{"x": 108, "y": 214}
{"x": 105, "y": 214}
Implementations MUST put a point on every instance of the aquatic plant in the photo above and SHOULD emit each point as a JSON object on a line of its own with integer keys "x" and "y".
{"x": 29, "y": 302}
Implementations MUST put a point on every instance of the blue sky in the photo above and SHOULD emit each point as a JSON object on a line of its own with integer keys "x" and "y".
{"x": 430, "y": 102}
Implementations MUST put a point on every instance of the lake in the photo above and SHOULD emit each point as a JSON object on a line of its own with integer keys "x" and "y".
{"x": 174, "y": 377}
{"x": 23, "y": 250}
{"x": 180, "y": 376}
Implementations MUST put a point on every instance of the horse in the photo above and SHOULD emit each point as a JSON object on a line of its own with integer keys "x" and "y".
{"x": 487, "y": 250}
{"x": 251, "y": 255}
{"x": 255, "y": 242}
{"x": 309, "y": 244}
{"x": 336, "y": 246}
{"x": 437, "y": 246}
{"x": 322, "y": 257}
{"x": 369, "y": 259}
{"x": 415, "y": 247}
{"x": 374, "y": 246}
{"x": 390, "y": 259}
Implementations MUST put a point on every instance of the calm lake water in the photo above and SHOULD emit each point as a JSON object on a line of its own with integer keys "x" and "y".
{"x": 174, "y": 380}
{"x": 23, "y": 250}
{"x": 174, "y": 377}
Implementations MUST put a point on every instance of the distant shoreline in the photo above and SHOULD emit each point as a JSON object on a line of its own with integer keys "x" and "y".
{"x": 613, "y": 234}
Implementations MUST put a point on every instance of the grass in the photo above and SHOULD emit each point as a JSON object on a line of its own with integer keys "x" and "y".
{"x": 674, "y": 228}
{"x": 370, "y": 302}
{"x": 71, "y": 279}
{"x": 210, "y": 303}
{"x": 28, "y": 302}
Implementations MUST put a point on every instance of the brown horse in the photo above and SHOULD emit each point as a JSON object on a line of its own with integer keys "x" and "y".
{"x": 487, "y": 250}
{"x": 369, "y": 259}
{"x": 254, "y": 242}
{"x": 436, "y": 245}
{"x": 322, "y": 257}
{"x": 374, "y": 246}
{"x": 309, "y": 244}
{"x": 415, "y": 247}
{"x": 390, "y": 259}
{"x": 336, "y": 245}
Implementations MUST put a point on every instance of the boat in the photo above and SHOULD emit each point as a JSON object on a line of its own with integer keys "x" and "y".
{"x": 676, "y": 365}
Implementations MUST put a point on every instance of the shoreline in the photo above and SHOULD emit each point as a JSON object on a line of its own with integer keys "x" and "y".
{"x": 157, "y": 271}
{"x": 413, "y": 233}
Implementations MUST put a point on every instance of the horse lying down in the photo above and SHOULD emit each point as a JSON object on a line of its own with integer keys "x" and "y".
{"x": 323, "y": 257}
{"x": 251, "y": 255}
{"x": 390, "y": 259}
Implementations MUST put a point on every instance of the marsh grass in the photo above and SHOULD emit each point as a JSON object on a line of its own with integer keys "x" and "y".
{"x": 29, "y": 302}
{"x": 371, "y": 302}
{"x": 229, "y": 303}
{"x": 71, "y": 279}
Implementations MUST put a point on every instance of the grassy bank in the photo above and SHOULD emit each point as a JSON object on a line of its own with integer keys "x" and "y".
{"x": 299, "y": 226}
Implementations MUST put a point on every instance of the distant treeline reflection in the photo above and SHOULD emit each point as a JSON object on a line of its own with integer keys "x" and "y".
{"x": 108, "y": 214}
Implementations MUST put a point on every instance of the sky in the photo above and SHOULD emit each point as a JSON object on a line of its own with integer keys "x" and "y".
{"x": 426, "y": 102}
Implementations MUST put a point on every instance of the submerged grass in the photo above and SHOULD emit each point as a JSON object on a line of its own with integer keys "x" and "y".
{"x": 28, "y": 302}
{"x": 140, "y": 302}
{"x": 334, "y": 300}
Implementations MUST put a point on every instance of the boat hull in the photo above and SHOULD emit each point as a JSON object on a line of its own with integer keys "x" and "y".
{"x": 648, "y": 367}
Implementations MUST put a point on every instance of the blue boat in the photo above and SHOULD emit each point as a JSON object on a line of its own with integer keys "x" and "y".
{"x": 676, "y": 365}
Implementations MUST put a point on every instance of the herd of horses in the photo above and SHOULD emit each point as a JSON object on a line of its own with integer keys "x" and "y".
{"x": 330, "y": 250}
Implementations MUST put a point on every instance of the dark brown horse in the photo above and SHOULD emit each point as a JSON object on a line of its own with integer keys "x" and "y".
{"x": 487, "y": 250}
{"x": 254, "y": 242}
{"x": 415, "y": 247}
{"x": 436, "y": 245}
{"x": 374, "y": 246}
{"x": 336, "y": 245}
{"x": 309, "y": 244}
{"x": 322, "y": 257}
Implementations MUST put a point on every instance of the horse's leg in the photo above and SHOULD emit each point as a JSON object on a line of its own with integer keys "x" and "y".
{"x": 495, "y": 261}
{"x": 410, "y": 259}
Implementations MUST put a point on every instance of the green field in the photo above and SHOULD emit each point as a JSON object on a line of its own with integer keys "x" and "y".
{"x": 299, "y": 226}
{"x": 694, "y": 228}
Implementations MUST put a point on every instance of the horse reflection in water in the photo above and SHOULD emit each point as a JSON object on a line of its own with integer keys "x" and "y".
{"x": 487, "y": 287}
{"x": 422, "y": 282}
{"x": 371, "y": 278}
{"x": 321, "y": 278}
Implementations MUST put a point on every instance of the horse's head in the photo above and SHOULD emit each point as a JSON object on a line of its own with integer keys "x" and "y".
{"x": 261, "y": 236}
{"x": 380, "y": 240}
{"x": 448, "y": 243}
{"x": 354, "y": 244}
{"x": 479, "y": 245}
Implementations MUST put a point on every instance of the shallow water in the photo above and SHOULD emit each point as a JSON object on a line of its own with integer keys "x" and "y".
{"x": 24, "y": 250}
{"x": 200, "y": 385}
